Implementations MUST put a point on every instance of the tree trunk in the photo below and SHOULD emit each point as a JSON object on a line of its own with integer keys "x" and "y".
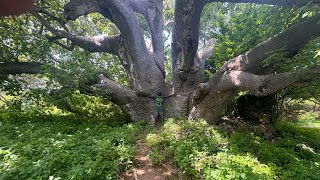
{"x": 188, "y": 95}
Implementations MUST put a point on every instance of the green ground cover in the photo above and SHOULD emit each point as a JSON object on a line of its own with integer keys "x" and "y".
{"x": 68, "y": 147}
{"x": 63, "y": 147}
{"x": 202, "y": 151}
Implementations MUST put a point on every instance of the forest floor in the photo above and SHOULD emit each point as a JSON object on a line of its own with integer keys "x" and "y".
{"x": 145, "y": 170}
{"x": 34, "y": 146}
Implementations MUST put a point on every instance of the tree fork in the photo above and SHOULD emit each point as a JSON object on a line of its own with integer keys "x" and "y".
{"x": 190, "y": 95}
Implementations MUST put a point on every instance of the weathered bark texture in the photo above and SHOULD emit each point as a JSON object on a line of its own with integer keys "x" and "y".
{"x": 186, "y": 66}
{"x": 188, "y": 95}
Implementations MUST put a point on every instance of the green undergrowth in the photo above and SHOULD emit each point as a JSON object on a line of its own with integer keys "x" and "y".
{"x": 202, "y": 151}
{"x": 63, "y": 147}
{"x": 69, "y": 147}
{"x": 309, "y": 119}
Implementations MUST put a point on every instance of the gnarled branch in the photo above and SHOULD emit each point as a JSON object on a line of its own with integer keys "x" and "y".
{"x": 76, "y": 8}
{"x": 251, "y": 61}
{"x": 108, "y": 44}
{"x": 119, "y": 94}
{"x": 263, "y": 85}
{"x": 291, "y": 40}
{"x": 206, "y": 52}
{"x": 144, "y": 75}
{"x": 155, "y": 21}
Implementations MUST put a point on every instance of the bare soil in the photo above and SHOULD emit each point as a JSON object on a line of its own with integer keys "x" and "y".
{"x": 144, "y": 170}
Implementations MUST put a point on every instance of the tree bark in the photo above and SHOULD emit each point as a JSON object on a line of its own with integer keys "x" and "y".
{"x": 242, "y": 73}
{"x": 187, "y": 71}
{"x": 189, "y": 95}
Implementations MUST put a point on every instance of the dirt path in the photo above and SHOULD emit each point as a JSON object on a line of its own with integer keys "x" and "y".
{"x": 144, "y": 169}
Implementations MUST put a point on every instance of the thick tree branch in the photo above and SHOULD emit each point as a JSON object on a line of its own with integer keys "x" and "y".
{"x": 27, "y": 68}
{"x": 202, "y": 56}
{"x": 119, "y": 94}
{"x": 92, "y": 44}
{"x": 208, "y": 101}
{"x": 207, "y": 51}
{"x": 289, "y": 3}
{"x": 262, "y": 85}
{"x": 21, "y": 67}
{"x": 76, "y": 8}
{"x": 251, "y": 61}
{"x": 291, "y": 40}
{"x": 140, "y": 6}
{"x": 61, "y": 21}
{"x": 124, "y": 18}
{"x": 152, "y": 10}
{"x": 144, "y": 75}
{"x": 155, "y": 21}
{"x": 185, "y": 44}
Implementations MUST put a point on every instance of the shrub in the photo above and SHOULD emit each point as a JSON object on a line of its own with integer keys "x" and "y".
{"x": 200, "y": 150}
{"x": 308, "y": 116}
{"x": 229, "y": 166}
{"x": 294, "y": 155}
{"x": 63, "y": 147}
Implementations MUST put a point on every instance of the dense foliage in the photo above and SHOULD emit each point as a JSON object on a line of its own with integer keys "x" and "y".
{"x": 38, "y": 146}
{"x": 204, "y": 152}
{"x": 25, "y": 40}
{"x": 63, "y": 147}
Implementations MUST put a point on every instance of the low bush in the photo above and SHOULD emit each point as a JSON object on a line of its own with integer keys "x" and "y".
{"x": 201, "y": 151}
{"x": 63, "y": 147}
{"x": 295, "y": 154}
{"x": 225, "y": 165}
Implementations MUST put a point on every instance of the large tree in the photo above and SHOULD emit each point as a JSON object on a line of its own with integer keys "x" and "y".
{"x": 143, "y": 57}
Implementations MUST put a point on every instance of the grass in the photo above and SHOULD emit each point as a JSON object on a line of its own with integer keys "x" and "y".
{"x": 309, "y": 119}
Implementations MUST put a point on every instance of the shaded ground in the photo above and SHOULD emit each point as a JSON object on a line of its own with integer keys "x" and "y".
{"x": 144, "y": 170}
{"x": 38, "y": 146}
